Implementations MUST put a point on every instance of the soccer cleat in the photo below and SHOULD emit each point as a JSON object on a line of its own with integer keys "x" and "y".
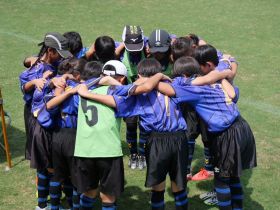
{"x": 133, "y": 163}
{"x": 203, "y": 174}
{"x": 211, "y": 201}
{"x": 141, "y": 162}
{"x": 207, "y": 195}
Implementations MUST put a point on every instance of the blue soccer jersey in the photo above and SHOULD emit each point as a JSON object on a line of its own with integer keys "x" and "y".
{"x": 82, "y": 52}
{"x": 39, "y": 98}
{"x": 156, "y": 111}
{"x": 33, "y": 73}
{"x": 69, "y": 109}
{"x": 68, "y": 115}
{"x": 224, "y": 64}
{"x": 210, "y": 101}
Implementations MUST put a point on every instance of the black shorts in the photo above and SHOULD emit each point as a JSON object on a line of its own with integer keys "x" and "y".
{"x": 167, "y": 153}
{"x": 133, "y": 120}
{"x": 105, "y": 173}
{"x": 192, "y": 120}
{"x": 63, "y": 145}
{"x": 29, "y": 122}
{"x": 41, "y": 151}
{"x": 234, "y": 149}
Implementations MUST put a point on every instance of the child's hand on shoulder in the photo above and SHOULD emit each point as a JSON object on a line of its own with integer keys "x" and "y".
{"x": 164, "y": 78}
{"x": 82, "y": 90}
{"x": 59, "y": 82}
{"x": 39, "y": 83}
{"x": 68, "y": 76}
{"x": 73, "y": 90}
{"x": 47, "y": 74}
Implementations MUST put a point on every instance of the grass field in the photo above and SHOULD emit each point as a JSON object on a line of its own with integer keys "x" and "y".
{"x": 248, "y": 30}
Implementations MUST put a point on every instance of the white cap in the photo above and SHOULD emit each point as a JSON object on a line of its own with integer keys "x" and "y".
{"x": 114, "y": 67}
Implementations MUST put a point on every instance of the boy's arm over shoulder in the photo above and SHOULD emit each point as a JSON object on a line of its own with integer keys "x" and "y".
{"x": 150, "y": 84}
{"x": 104, "y": 99}
{"x": 212, "y": 77}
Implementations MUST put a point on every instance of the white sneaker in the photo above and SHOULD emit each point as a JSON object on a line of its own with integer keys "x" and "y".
{"x": 38, "y": 208}
{"x": 211, "y": 201}
{"x": 133, "y": 163}
{"x": 207, "y": 195}
{"x": 141, "y": 162}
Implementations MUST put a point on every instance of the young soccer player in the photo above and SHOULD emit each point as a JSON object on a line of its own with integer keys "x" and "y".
{"x": 64, "y": 135}
{"x": 232, "y": 141}
{"x": 102, "y": 50}
{"x": 134, "y": 52}
{"x": 184, "y": 46}
{"x": 98, "y": 152}
{"x": 75, "y": 44}
{"x": 34, "y": 87}
{"x": 160, "y": 48}
{"x": 219, "y": 63}
{"x": 36, "y": 75}
{"x": 167, "y": 144}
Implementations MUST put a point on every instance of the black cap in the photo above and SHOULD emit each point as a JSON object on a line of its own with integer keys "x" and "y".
{"x": 159, "y": 41}
{"x": 57, "y": 41}
{"x": 133, "y": 38}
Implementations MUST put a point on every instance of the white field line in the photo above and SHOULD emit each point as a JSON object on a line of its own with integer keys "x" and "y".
{"x": 19, "y": 36}
{"x": 261, "y": 106}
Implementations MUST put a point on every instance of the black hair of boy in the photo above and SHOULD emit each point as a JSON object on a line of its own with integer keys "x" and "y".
{"x": 92, "y": 69}
{"x": 182, "y": 46}
{"x": 206, "y": 53}
{"x": 187, "y": 66}
{"x": 71, "y": 66}
{"x": 194, "y": 38}
{"x": 149, "y": 67}
{"x": 104, "y": 49}
{"x": 75, "y": 41}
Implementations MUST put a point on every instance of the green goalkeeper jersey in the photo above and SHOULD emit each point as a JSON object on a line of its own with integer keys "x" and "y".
{"x": 98, "y": 131}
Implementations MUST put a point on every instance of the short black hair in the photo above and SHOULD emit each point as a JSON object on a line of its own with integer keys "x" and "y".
{"x": 182, "y": 46}
{"x": 148, "y": 67}
{"x": 104, "y": 49}
{"x": 71, "y": 66}
{"x": 206, "y": 53}
{"x": 74, "y": 41}
{"x": 194, "y": 38}
{"x": 187, "y": 66}
{"x": 92, "y": 69}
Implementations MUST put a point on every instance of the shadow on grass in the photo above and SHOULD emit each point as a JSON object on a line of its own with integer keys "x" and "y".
{"x": 249, "y": 203}
{"x": 16, "y": 140}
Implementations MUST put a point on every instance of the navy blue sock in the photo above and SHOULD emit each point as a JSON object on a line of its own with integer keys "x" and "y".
{"x": 131, "y": 137}
{"x": 157, "y": 200}
{"x": 142, "y": 142}
{"x": 76, "y": 199}
{"x": 68, "y": 191}
{"x": 43, "y": 187}
{"x": 191, "y": 146}
{"x": 223, "y": 192}
{"x": 86, "y": 203}
{"x": 236, "y": 193}
{"x": 207, "y": 159}
{"x": 55, "y": 194}
{"x": 181, "y": 200}
{"x": 109, "y": 206}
